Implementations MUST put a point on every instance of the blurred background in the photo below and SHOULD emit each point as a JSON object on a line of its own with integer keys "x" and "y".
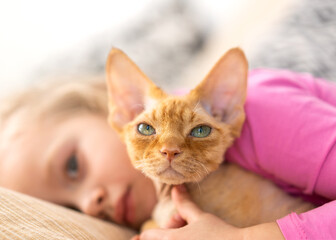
{"x": 174, "y": 42}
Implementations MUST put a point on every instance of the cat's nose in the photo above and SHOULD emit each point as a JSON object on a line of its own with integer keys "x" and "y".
{"x": 170, "y": 152}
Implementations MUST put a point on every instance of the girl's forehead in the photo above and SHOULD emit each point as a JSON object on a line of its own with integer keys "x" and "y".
{"x": 24, "y": 143}
{"x": 20, "y": 157}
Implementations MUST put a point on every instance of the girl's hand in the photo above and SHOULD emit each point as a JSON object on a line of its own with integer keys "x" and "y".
{"x": 201, "y": 225}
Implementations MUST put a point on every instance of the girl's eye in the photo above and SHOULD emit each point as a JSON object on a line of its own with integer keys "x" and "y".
{"x": 146, "y": 129}
{"x": 72, "y": 168}
{"x": 200, "y": 131}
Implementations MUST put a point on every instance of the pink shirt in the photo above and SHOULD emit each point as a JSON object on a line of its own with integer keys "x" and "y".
{"x": 289, "y": 137}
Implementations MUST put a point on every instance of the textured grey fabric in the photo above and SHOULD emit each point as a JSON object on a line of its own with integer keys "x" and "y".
{"x": 161, "y": 43}
{"x": 305, "y": 41}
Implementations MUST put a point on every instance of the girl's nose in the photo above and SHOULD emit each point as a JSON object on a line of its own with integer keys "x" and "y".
{"x": 95, "y": 202}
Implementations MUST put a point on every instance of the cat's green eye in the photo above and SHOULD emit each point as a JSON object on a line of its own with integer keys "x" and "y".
{"x": 201, "y": 131}
{"x": 146, "y": 129}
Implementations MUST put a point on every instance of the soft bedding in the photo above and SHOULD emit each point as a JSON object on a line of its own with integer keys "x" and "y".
{"x": 25, "y": 217}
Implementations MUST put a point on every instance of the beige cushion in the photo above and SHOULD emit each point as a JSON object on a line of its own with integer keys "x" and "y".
{"x": 25, "y": 217}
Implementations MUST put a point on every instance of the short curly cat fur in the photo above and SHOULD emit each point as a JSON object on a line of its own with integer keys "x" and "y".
{"x": 159, "y": 131}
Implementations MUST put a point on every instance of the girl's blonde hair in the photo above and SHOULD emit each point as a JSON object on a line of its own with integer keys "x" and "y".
{"x": 53, "y": 100}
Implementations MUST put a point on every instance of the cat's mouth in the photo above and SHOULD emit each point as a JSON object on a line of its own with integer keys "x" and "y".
{"x": 171, "y": 176}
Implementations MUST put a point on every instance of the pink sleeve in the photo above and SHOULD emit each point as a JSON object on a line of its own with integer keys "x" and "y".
{"x": 318, "y": 223}
{"x": 289, "y": 137}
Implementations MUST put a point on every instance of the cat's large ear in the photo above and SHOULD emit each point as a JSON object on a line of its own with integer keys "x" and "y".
{"x": 128, "y": 89}
{"x": 223, "y": 91}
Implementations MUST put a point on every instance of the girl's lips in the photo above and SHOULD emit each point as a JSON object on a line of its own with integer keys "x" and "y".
{"x": 124, "y": 212}
{"x": 129, "y": 209}
{"x": 120, "y": 209}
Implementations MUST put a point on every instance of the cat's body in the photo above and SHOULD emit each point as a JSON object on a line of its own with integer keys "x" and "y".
{"x": 239, "y": 197}
{"x": 175, "y": 140}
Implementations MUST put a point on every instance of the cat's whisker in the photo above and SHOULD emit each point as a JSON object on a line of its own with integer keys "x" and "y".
{"x": 196, "y": 106}
{"x": 139, "y": 165}
{"x": 195, "y": 166}
{"x": 137, "y": 105}
{"x": 145, "y": 167}
{"x": 198, "y": 174}
{"x": 198, "y": 185}
{"x": 204, "y": 167}
{"x": 149, "y": 166}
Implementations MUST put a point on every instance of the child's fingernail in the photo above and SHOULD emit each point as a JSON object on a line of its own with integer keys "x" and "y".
{"x": 181, "y": 188}
{"x": 177, "y": 217}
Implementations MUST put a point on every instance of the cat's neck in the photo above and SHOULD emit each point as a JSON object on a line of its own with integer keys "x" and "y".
{"x": 163, "y": 190}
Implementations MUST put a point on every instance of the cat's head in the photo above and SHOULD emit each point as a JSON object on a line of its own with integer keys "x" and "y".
{"x": 177, "y": 139}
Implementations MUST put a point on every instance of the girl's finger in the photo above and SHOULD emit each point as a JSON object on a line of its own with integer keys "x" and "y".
{"x": 136, "y": 237}
{"x": 186, "y": 208}
{"x": 154, "y": 234}
{"x": 175, "y": 222}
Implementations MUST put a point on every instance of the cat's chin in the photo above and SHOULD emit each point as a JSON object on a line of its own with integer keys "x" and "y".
{"x": 171, "y": 176}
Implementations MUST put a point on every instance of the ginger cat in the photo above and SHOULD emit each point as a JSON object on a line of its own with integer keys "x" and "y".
{"x": 182, "y": 139}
